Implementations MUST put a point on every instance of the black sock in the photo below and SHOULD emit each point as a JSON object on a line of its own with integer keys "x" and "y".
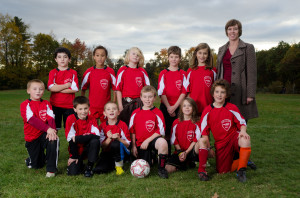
{"x": 162, "y": 160}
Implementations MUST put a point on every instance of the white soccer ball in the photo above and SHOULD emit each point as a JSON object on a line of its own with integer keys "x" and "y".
{"x": 140, "y": 168}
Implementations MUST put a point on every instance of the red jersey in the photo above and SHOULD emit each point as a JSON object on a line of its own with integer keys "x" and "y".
{"x": 130, "y": 81}
{"x": 77, "y": 127}
{"x": 172, "y": 84}
{"x": 120, "y": 127}
{"x": 100, "y": 81}
{"x": 56, "y": 76}
{"x": 184, "y": 133}
{"x": 200, "y": 81}
{"x": 144, "y": 123}
{"x": 223, "y": 122}
{"x": 40, "y": 109}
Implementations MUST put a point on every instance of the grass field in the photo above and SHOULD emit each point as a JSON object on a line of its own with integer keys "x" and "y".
{"x": 275, "y": 149}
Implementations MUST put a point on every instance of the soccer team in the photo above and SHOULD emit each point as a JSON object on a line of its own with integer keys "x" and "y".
{"x": 193, "y": 104}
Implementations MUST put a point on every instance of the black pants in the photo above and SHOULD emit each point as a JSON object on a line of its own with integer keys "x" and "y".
{"x": 61, "y": 113}
{"x": 168, "y": 119}
{"x": 36, "y": 151}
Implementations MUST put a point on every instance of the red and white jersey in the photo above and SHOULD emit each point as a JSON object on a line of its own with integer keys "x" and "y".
{"x": 184, "y": 133}
{"x": 200, "y": 81}
{"x": 223, "y": 122}
{"x": 172, "y": 84}
{"x": 100, "y": 82}
{"x": 144, "y": 123}
{"x": 40, "y": 109}
{"x": 120, "y": 127}
{"x": 56, "y": 76}
{"x": 77, "y": 127}
{"x": 130, "y": 81}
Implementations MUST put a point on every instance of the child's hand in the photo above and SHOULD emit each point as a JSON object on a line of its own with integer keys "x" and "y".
{"x": 211, "y": 153}
{"x": 68, "y": 85}
{"x": 109, "y": 134}
{"x": 144, "y": 145}
{"x": 244, "y": 134}
{"x": 173, "y": 114}
{"x": 115, "y": 136}
{"x": 70, "y": 161}
{"x": 51, "y": 134}
{"x": 134, "y": 151}
{"x": 182, "y": 156}
{"x": 171, "y": 110}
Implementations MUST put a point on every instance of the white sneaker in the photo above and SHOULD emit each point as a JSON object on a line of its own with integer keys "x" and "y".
{"x": 49, "y": 174}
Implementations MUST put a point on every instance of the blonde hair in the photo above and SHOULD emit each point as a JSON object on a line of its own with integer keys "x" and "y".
{"x": 140, "y": 53}
{"x": 35, "y": 81}
{"x": 148, "y": 88}
{"x": 110, "y": 102}
{"x": 194, "y": 117}
{"x": 209, "y": 61}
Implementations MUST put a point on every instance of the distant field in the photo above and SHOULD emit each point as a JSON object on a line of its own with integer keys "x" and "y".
{"x": 275, "y": 139}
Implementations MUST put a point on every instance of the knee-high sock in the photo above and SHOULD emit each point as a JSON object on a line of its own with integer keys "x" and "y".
{"x": 244, "y": 157}
{"x": 203, "y": 153}
{"x": 234, "y": 165}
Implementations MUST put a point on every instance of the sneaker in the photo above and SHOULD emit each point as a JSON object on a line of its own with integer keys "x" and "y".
{"x": 241, "y": 175}
{"x": 27, "y": 162}
{"x": 163, "y": 173}
{"x": 119, "y": 170}
{"x": 251, "y": 165}
{"x": 50, "y": 174}
{"x": 203, "y": 176}
{"x": 88, "y": 172}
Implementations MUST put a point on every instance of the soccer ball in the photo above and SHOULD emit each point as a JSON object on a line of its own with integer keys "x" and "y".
{"x": 140, "y": 168}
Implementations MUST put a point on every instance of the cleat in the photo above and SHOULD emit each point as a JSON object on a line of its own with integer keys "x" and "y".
{"x": 88, "y": 172}
{"x": 50, "y": 174}
{"x": 251, "y": 165}
{"x": 163, "y": 173}
{"x": 27, "y": 162}
{"x": 203, "y": 176}
{"x": 119, "y": 170}
{"x": 241, "y": 175}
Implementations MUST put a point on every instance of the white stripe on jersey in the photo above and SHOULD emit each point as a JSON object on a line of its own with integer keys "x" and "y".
{"x": 102, "y": 136}
{"x": 198, "y": 132}
{"x": 161, "y": 85}
{"x": 215, "y": 75}
{"x": 84, "y": 81}
{"x": 185, "y": 82}
{"x": 113, "y": 79}
{"x": 123, "y": 137}
{"x": 239, "y": 117}
{"x": 71, "y": 133}
{"x": 119, "y": 78}
{"x": 146, "y": 79}
{"x": 188, "y": 79}
{"x": 204, "y": 122}
{"x": 50, "y": 112}
{"x": 131, "y": 121}
{"x": 173, "y": 134}
{"x": 74, "y": 86}
{"x": 29, "y": 112}
{"x": 95, "y": 130}
{"x": 161, "y": 126}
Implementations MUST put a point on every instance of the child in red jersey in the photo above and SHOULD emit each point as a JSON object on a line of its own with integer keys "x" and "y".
{"x": 228, "y": 127}
{"x": 131, "y": 79}
{"x": 63, "y": 83}
{"x": 200, "y": 76}
{"x": 185, "y": 136}
{"x": 115, "y": 140}
{"x": 39, "y": 129}
{"x": 100, "y": 79}
{"x": 83, "y": 136}
{"x": 147, "y": 128}
{"x": 172, "y": 88}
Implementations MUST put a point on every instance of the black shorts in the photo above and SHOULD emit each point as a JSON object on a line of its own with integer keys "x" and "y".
{"x": 150, "y": 154}
{"x": 61, "y": 113}
{"x": 128, "y": 108}
{"x": 191, "y": 158}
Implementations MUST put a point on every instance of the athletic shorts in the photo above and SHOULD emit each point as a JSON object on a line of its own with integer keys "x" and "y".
{"x": 98, "y": 113}
{"x": 191, "y": 157}
{"x": 61, "y": 113}
{"x": 150, "y": 154}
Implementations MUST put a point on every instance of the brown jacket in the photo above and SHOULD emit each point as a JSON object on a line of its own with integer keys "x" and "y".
{"x": 243, "y": 77}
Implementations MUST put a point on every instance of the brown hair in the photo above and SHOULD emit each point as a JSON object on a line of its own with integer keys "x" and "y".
{"x": 209, "y": 61}
{"x": 195, "y": 117}
{"x": 148, "y": 88}
{"x": 234, "y": 22}
{"x": 140, "y": 53}
{"x": 110, "y": 102}
{"x": 35, "y": 81}
{"x": 174, "y": 50}
{"x": 100, "y": 47}
{"x": 80, "y": 100}
{"x": 222, "y": 83}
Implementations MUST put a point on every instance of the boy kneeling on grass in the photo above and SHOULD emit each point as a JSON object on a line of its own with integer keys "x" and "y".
{"x": 39, "y": 129}
{"x": 228, "y": 127}
{"x": 83, "y": 136}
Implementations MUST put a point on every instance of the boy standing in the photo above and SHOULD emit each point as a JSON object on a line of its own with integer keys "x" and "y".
{"x": 39, "y": 129}
{"x": 228, "y": 127}
{"x": 172, "y": 85}
{"x": 63, "y": 83}
{"x": 147, "y": 128}
{"x": 83, "y": 135}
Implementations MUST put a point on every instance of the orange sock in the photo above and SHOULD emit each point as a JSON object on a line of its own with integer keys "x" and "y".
{"x": 234, "y": 165}
{"x": 244, "y": 157}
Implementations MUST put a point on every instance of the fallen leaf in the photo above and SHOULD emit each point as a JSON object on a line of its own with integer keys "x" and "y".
{"x": 215, "y": 195}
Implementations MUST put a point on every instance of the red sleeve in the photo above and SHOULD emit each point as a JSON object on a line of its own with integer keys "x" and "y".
{"x": 160, "y": 122}
{"x": 197, "y": 132}
{"x": 86, "y": 80}
{"x": 132, "y": 121}
{"x": 23, "y": 109}
{"x": 51, "y": 79}
{"x": 113, "y": 79}
{"x": 126, "y": 135}
{"x": 188, "y": 79}
{"x": 70, "y": 129}
{"x": 146, "y": 77}
{"x": 50, "y": 114}
{"x": 161, "y": 83}
{"x": 94, "y": 127}
{"x": 205, "y": 128}
{"x": 238, "y": 119}
{"x": 173, "y": 132}
{"x": 38, "y": 124}
{"x": 119, "y": 80}
{"x": 74, "y": 85}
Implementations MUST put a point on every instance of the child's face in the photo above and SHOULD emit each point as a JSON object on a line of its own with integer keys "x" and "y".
{"x": 82, "y": 111}
{"x": 148, "y": 99}
{"x": 219, "y": 95}
{"x": 202, "y": 55}
{"x": 100, "y": 57}
{"x": 36, "y": 91}
{"x": 62, "y": 59}
{"x": 134, "y": 56}
{"x": 111, "y": 111}
{"x": 174, "y": 60}
{"x": 187, "y": 108}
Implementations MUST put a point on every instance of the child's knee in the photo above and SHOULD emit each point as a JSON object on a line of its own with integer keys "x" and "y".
{"x": 203, "y": 142}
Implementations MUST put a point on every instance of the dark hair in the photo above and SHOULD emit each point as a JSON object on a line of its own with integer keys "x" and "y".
{"x": 80, "y": 100}
{"x": 35, "y": 81}
{"x": 195, "y": 117}
{"x": 100, "y": 47}
{"x": 209, "y": 61}
{"x": 62, "y": 50}
{"x": 174, "y": 50}
{"x": 234, "y": 22}
{"x": 222, "y": 83}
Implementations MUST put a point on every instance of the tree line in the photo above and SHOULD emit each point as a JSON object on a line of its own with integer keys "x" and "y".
{"x": 25, "y": 56}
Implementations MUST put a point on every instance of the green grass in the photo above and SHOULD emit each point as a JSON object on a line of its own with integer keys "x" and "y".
{"x": 275, "y": 139}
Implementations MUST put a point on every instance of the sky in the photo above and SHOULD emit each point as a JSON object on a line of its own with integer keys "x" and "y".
{"x": 155, "y": 24}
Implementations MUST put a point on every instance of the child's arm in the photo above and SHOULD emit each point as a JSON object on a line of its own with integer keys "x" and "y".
{"x": 176, "y": 105}
{"x": 108, "y": 140}
{"x": 167, "y": 104}
{"x": 148, "y": 140}
{"x": 59, "y": 88}
{"x": 183, "y": 155}
{"x": 40, "y": 125}
{"x": 117, "y": 137}
{"x": 243, "y": 132}
{"x": 68, "y": 91}
{"x": 119, "y": 99}
{"x": 133, "y": 142}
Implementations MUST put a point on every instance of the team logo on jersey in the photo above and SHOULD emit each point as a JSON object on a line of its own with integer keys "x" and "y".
{"x": 226, "y": 124}
{"x": 138, "y": 81}
{"x": 150, "y": 125}
{"x": 178, "y": 84}
{"x": 207, "y": 80}
{"x": 68, "y": 80}
{"x": 43, "y": 115}
{"x": 104, "y": 83}
{"x": 190, "y": 135}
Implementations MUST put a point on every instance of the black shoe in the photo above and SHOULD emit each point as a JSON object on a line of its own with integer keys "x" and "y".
{"x": 27, "y": 162}
{"x": 241, "y": 175}
{"x": 163, "y": 173}
{"x": 251, "y": 165}
{"x": 203, "y": 176}
{"x": 88, "y": 172}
